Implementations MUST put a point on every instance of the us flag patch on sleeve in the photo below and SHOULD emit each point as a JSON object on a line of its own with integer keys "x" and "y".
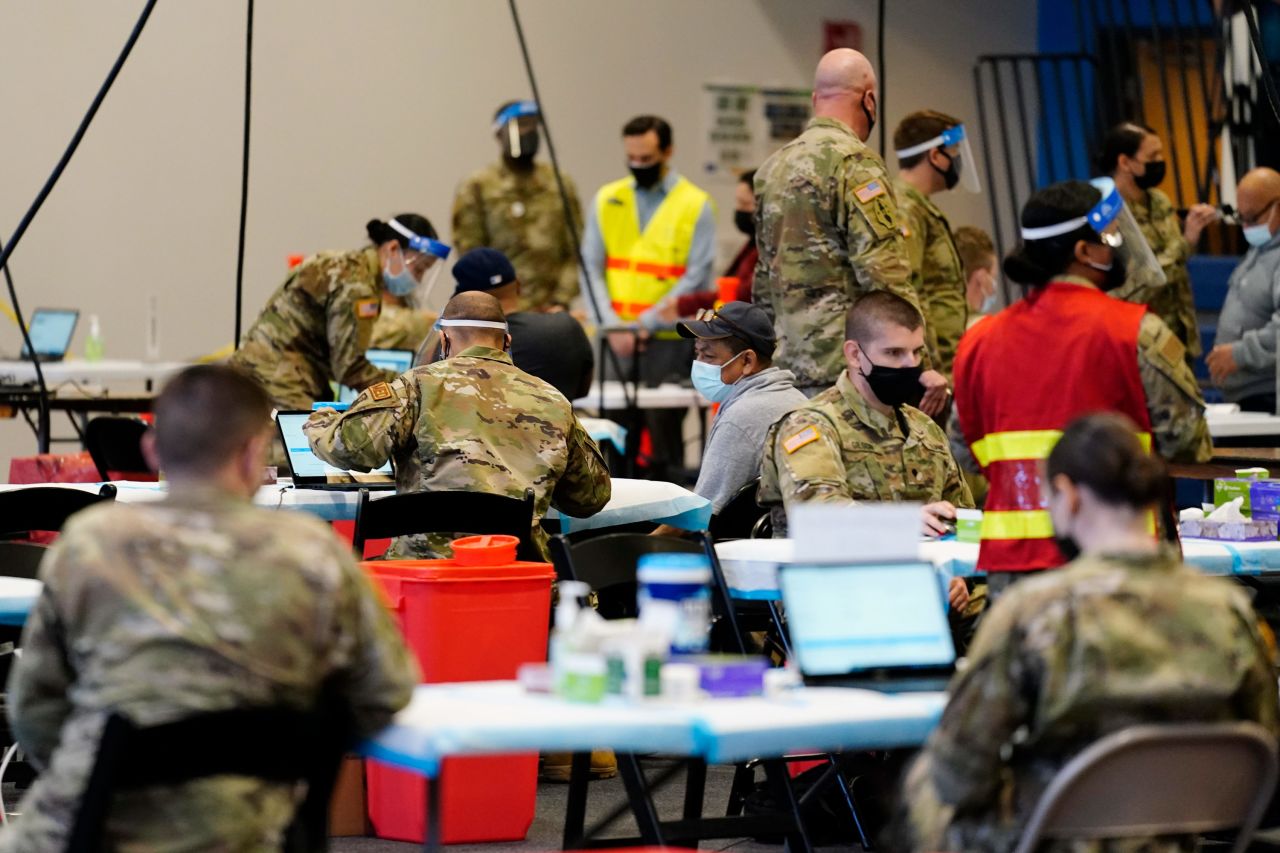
{"x": 368, "y": 308}
{"x": 868, "y": 191}
{"x": 805, "y": 436}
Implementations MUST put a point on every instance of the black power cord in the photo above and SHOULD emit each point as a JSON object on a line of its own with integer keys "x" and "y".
{"x": 244, "y": 172}
{"x": 25, "y": 222}
{"x": 605, "y": 349}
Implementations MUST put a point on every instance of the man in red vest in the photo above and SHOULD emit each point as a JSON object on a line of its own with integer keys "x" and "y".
{"x": 1066, "y": 350}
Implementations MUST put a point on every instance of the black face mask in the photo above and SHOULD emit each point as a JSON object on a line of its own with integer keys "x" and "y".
{"x": 1152, "y": 176}
{"x": 647, "y": 176}
{"x": 950, "y": 175}
{"x": 746, "y": 222}
{"x": 871, "y": 120}
{"x": 896, "y": 386}
{"x": 528, "y": 148}
{"x": 1067, "y": 546}
{"x": 1114, "y": 277}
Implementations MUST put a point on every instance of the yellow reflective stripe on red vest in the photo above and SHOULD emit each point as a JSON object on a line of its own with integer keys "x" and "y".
{"x": 1017, "y": 524}
{"x": 1026, "y": 444}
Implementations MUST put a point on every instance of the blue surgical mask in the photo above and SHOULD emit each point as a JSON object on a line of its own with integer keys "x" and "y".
{"x": 707, "y": 381}
{"x": 990, "y": 305}
{"x": 1258, "y": 235}
{"x": 401, "y": 284}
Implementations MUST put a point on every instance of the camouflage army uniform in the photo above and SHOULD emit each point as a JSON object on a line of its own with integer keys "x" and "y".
{"x": 199, "y": 603}
{"x": 1174, "y": 403}
{"x": 1173, "y": 302}
{"x": 401, "y": 327}
{"x": 936, "y": 271}
{"x": 316, "y": 328}
{"x": 473, "y": 422}
{"x": 839, "y": 449}
{"x": 521, "y": 215}
{"x": 1064, "y": 659}
{"x": 827, "y": 232}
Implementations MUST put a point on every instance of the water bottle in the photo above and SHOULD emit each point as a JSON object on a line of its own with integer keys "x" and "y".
{"x": 93, "y": 343}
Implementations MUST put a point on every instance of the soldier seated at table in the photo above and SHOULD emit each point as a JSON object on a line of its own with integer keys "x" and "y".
{"x": 863, "y": 439}
{"x": 472, "y": 422}
{"x": 157, "y": 611}
{"x": 1123, "y": 635}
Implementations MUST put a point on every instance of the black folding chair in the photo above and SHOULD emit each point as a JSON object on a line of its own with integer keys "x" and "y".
{"x": 463, "y": 513}
{"x": 45, "y": 508}
{"x": 738, "y": 518}
{"x": 275, "y": 744}
{"x": 115, "y": 444}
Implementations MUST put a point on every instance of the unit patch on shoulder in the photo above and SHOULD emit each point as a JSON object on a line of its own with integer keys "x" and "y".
{"x": 367, "y": 309}
{"x": 1173, "y": 350}
{"x": 808, "y": 435}
{"x": 869, "y": 190}
{"x": 381, "y": 391}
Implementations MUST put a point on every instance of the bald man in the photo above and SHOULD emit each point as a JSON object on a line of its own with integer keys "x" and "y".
{"x": 472, "y": 422}
{"x": 827, "y": 229}
{"x": 1243, "y": 361}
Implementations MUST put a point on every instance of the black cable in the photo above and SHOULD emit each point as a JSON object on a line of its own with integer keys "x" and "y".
{"x": 244, "y": 172}
{"x": 564, "y": 201}
{"x": 7, "y": 251}
{"x": 1268, "y": 79}
{"x": 880, "y": 102}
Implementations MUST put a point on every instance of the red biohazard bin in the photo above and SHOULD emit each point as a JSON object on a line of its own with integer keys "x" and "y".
{"x": 477, "y": 617}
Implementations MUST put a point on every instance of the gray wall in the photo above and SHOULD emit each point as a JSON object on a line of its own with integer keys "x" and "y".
{"x": 364, "y": 109}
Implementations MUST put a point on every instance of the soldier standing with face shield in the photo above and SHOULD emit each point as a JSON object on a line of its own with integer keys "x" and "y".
{"x": 514, "y": 206}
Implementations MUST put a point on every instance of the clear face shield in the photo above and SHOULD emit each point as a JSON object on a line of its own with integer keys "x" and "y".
{"x": 424, "y": 259}
{"x": 955, "y": 144}
{"x": 517, "y": 130}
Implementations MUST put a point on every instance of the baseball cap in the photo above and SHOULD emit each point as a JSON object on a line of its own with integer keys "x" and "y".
{"x": 740, "y": 320}
{"x": 482, "y": 269}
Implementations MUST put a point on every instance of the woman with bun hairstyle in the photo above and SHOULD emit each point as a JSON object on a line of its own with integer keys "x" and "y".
{"x": 1123, "y": 635}
{"x": 1065, "y": 349}
{"x": 1133, "y": 155}
{"x": 317, "y": 325}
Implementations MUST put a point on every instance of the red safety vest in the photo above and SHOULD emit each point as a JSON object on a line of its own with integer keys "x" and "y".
{"x": 1021, "y": 376}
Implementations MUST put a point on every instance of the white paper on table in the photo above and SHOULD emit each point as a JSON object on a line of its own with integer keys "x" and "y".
{"x": 827, "y": 533}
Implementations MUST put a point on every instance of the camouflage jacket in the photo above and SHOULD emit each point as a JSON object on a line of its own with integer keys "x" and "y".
{"x": 1065, "y": 658}
{"x": 473, "y": 422}
{"x": 936, "y": 271}
{"x": 401, "y": 327}
{"x": 521, "y": 215}
{"x": 316, "y": 328}
{"x": 828, "y": 231}
{"x": 1174, "y": 403}
{"x": 839, "y": 449}
{"x": 1173, "y": 302}
{"x": 199, "y": 603}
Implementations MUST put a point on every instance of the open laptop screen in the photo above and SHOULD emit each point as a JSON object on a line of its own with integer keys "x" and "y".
{"x": 51, "y": 331}
{"x": 306, "y": 466}
{"x": 846, "y": 619}
{"x": 399, "y": 360}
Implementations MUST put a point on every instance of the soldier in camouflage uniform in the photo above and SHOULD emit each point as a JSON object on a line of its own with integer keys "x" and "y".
{"x": 318, "y": 324}
{"x": 828, "y": 230}
{"x": 936, "y": 270}
{"x": 514, "y": 206}
{"x": 1134, "y": 156}
{"x": 157, "y": 611}
{"x": 472, "y": 422}
{"x": 1126, "y": 634}
{"x": 401, "y": 327}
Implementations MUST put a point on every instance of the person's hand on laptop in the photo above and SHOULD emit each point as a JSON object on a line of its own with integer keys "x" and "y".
{"x": 936, "y": 517}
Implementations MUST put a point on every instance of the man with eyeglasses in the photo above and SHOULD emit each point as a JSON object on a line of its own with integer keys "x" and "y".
{"x": 1243, "y": 361}
{"x": 733, "y": 351}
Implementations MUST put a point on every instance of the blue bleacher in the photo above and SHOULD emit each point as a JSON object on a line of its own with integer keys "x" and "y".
{"x": 1209, "y": 276}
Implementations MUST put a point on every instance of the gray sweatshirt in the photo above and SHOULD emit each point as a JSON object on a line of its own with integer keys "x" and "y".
{"x": 736, "y": 443}
{"x": 1250, "y": 321}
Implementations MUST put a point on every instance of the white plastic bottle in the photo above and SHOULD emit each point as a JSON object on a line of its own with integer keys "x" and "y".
{"x": 566, "y": 617}
{"x": 93, "y": 342}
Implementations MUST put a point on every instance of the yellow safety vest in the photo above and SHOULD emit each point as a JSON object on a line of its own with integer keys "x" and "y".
{"x": 641, "y": 268}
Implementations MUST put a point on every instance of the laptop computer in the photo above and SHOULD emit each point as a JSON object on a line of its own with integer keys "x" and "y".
{"x": 399, "y": 360}
{"x": 311, "y": 472}
{"x": 50, "y": 330}
{"x": 881, "y": 626}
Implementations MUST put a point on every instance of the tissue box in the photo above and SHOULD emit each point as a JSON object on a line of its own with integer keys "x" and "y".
{"x": 1228, "y": 531}
{"x": 1226, "y": 490}
{"x": 728, "y": 675}
{"x": 1264, "y": 500}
